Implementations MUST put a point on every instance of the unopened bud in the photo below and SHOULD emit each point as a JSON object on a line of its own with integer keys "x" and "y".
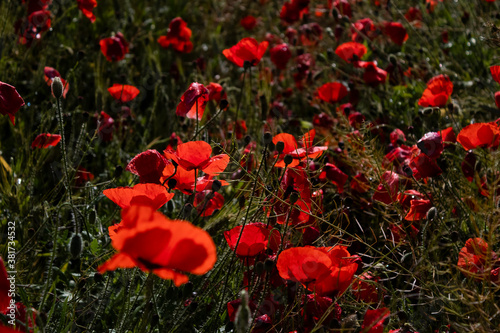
{"x": 268, "y": 138}
{"x": 431, "y": 213}
{"x": 57, "y": 87}
{"x": 259, "y": 267}
{"x": 243, "y": 316}
{"x": 76, "y": 246}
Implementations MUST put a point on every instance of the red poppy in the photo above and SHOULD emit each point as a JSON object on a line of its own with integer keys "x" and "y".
{"x": 106, "y": 125}
{"x": 86, "y": 6}
{"x": 373, "y": 75}
{"x": 438, "y": 90}
{"x": 365, "y": 288}
{"x": 359, "y": 183}
{"x": 497, "y": 99}
{"x": 362, "y": 28}
{"x": 418, "y": 210}
{"x": 114, "y": 48}
{"x": 216, "y": 92}
{"x": 10, "y": 101}
{"x": 448, "y": 135}
{"x": 50, "y": 73}
{"x": 168, "y": 248}
{"x": 82, "y": 176}
{"x": 193, "y": 102}
{"x": 314, "y": 307}
{"x": 293, "y": 11}
{"x": 479, "y": 135}
{"x": 332, "y": 92}
{"x": 207, "y": 202}
{"x": 248, "y": 22}
{"x": 387, "y": 190}
{"x": 280, "y": 55}
{"x": 423, "y": 166}
{"x": 374, "y": 320}
{"x": 396, "y": 32}
{"x": 335, "y": 175}
{"x": 255, "y": 238}
{"x": 298, "y": 154}
{"x": 45, "y": 140}
{"x": 247, "y": 49}
{"x": 152, "y": 195}
{"x": 476, "y": 258}
{"x": 196, "y": 155}
{"x": 310, "y": 34}
{"x": 495, "y": 73}
{"x": 343, "y": 7}
{"x": 148, "y": 166}
{"x": 36, "y": 5}
{"x": 4, "y": 288}
{"x": 40, "y": 20}
{"x": 123, "y": 93}
{"x": 414, "y": 16}
{"x": 351, "y": 52}
{"x": 397, "y": 137}
{"x": 178, "y": 36}
{"x": 431, "y": 144}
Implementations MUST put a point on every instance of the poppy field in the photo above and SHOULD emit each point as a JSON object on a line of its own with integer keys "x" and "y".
{"x": 287, "y": 166}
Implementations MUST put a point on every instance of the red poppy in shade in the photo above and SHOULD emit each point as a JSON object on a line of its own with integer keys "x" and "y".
{"x": 335, "y": 175}
{"x": 414, "y": 16}
{"x": 314, "y": 307}
{"x": 247, "y": 49}
{"x": 431, "y": 144}
{"x": 50, "y": 73}
{"x": 45, "y": 140}
{"x": 10, "y": 101}
{"x": 359, "y": 183}
{"x": 374, "y": 320}
{"x": 168, "y": 248}
{"x": 310, "y": 34}
{"x": 280, "y": 55}
{"x": 373, "y": 75}
{"x": 196, "y": 155}
{"x": 418, "y": 210}
{"x": 351, "y": 52}
{"x": 40, "y": 21}
{"x": 362, "y": 28}
{"x": 497, "y": 99}
{"x": 495, "y": 73}
{"x": 298, "y": 154}
{"x": 332, "y": 92}
{"x": 397, "y": 137}
{"x": 365, "y": 288}
{"x": 178, "y": 36}
{"x": 114, "y": 48}
{"x": 148, "y": 166}
{"x": 468, "y": 165}
{"x": 423, "y": 166}
{"x": 255, "y": 238}
{"x": 479, "y": 135}
{"x": 396, "y": 32}
{"x": 82, "y": 176}
{"x": 207, "y": 202}
{"x": 193, "y": 102}
{"x": 86, "y": 6}
{"x": 123, "y": 93}
{"x": 36, "y": 5}
{"x": 476, "y": 260}
{"x": 438, "y": 90}
{"x": 387, "y": 190}
{"x": 292, "y": 11}
{"x": 343, "y": 7}
{"x": 4, "y": 288}
{"x": 152, "y": 195}
{"x": 106, "y": 126}
{"x": 248, "y": 22}
{"x": 216, "y": 92}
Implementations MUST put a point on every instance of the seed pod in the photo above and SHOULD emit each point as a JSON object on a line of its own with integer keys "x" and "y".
{"x": 216, "y": 185}
{"x": 294, "y": 197}
{"x": 268, "y": 138}
{"x": 76, "y": 246}
{"x": 57, "y": 87}
{"x": 268, "y": 265}
{"x": 288, "y": 159}
{"x": 280, "y": 145}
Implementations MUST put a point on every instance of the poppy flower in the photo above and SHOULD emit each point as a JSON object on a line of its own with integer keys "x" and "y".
{"x": 114, "y": 48}
{"x": 216, "y": 92}
{"x": 247, "y": 49}
{"x": 418, "y": 210}
{"x": 152, "y": 195}
{"x": 423, "y": 166}
{"x": 414, "y": 16}
{"x": 148, "y": 166}
{"x": 292, "y": 11}
{"x": 86, "y": 6}
{"x": 207, "y": 202}
{"x": 50, "y": 73}
{"x": 40, "y": 21}
{"x": 365, "y": 288}
{"x": 196, "y": 155}
{"x": 373, "y": 321}
{"x": 106, "y": 125}
{"x": 387, "y": 190}
{"x": 397, "y": 137}
{"x": 310, "y": 34}
{"x": 361, "y": 28}
{"x": 168, "y": 248}
{"x": 332, "y": 92}
{"x": 431, "y": 144}
{"x": 359, "y": 183}
{"x": 448, "y": 135}
{"x": 479, "y": 135}
{"x": 193, "y": 102}
{"x": 473, "y": 260}
{"x": 280, "y": 55}
{"x": 184, "y": 180}
{"x": 396, "y": 32}
{"x": 335, "y": 175}
{"x": 373, "y": 75}
{"x": 123, "y": 93}
{"x": 82, "y": 176}
{"x": 351, "y": 52}
{"x": 298, "y": 154}
{"x": 314, "y": 307}
{"x": 36, "y": 5}
{"x": 438, "y": 90}
{"x": 248, "y": 22}
{"x": 495, "y": 73}
{"x": 178, "y": 36}
{"x": 4, "y": 287}
{"x": 343, "y": 7}
{"x": 10, "y": 101}
{"x": 45, "y": 140}
{"x": 255, "y": 238}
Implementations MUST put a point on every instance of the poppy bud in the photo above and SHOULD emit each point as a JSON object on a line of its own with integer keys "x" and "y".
{"x": 288, "y": 159}
{"x": 223, "y": 104}
{"x": 171, "y": 183}
{"x": 259, "y": 267}
{"x": 294, "y": 197}
{"x": 280, "y": 145}
{"x": 268, "y": 138}
{"x": 393, "y": 60}
{"x": 243, "y": 316}
{"x": 216, "y": 185}
{"x": 118, "y": 171}
{"x": 431, "y": 213}
{"x": 76, "y": 246}
{"x": 57, "y": 87}
{"x": 268, "y": 265}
